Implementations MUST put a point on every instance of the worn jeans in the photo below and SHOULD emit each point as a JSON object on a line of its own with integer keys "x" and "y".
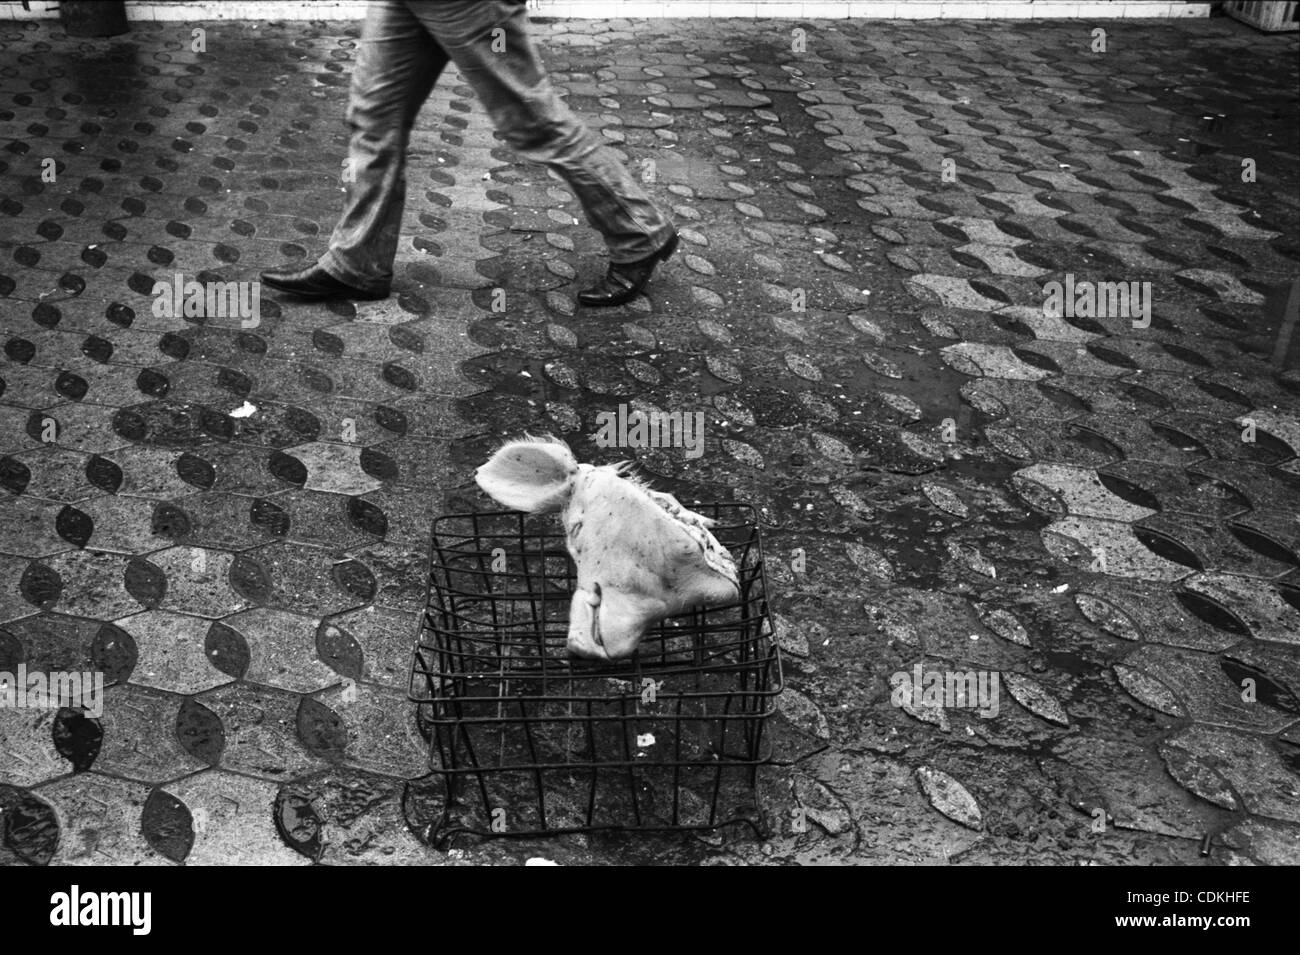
{"x": 405, "y": 45}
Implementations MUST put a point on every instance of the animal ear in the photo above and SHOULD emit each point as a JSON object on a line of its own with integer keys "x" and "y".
{"x": 532, "y": 474}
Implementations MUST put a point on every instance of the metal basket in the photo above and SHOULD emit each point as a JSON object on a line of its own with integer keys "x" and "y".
{"x": 528, "y": 742}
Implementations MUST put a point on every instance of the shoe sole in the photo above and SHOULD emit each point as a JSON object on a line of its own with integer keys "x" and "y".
{"x": 349, "y": 293}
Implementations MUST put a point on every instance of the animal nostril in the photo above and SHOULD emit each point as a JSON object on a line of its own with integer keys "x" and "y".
{"x": 596, "y": 638}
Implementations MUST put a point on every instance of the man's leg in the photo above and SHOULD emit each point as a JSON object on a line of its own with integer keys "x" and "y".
{"x": 397, "y": 65}
{"x": 489, "y": 43}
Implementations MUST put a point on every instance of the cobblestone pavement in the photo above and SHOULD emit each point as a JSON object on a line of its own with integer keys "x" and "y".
{"x": 1103, "y": 514}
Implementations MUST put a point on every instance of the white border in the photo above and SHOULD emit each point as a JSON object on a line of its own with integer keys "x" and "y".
{"x": 634, "y": 9}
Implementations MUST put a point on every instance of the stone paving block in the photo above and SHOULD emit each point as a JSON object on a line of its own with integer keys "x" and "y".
{"x": 1044, "y": 441}
{"x": 1185, "y": 391}
{"x": 335, "y": 467}
{"x": 1043, "y": 327}
{"x": 1133, "y": 610}
{"x": 278, "y": 650}
{"x": 86, "y": 583}
{"x": 377, "y": 733}
{"x": 140, "y": 741}
{"x": 409, "y": 512}
{"x": 29, "y": 388}
{"x": 1282, "y": 426}
{"x": 1199, "y": 688}
{"x": 1216, "y": 547}
{"x": 1116, "y": 777}
{"x": 157, "y": 473}
{"x": 231, "y": 821}
{"x": 251, "y": 730}
{"x": 287, "y": 576}
{"x": 1233, "y": 769}
{"x": 1173, "y": 489}
{"x": 1109, "y": 547}
{"x": 993, "y": 361}
{"x": 52, "y": 642}
{"x": 28, "y": 528}
{"x": 99, "y": 821}
{"x": 210, "y": 521}
{"x": 412, "y": 461}
{"x": 1092, "y": 361}
{"x": 399, "y": 572}
{"x": 1273, "y": 534}
{"x": 27, "y": 745}
{"x": 1077, "y": 491}
{"x": 330, "y": 520}
{"x": 170, "y": 654}
{"x": 1015, "y": 398}
{"x": 250, "y": 471}
{"x": 1136, "y": 439}
{"x": 1257, "y": 486}
{"x": 1268, "y": 673}
{"x": 119, "y": 524}
{"x": 371, "y": 644}
{"x": 1218, "y": 438}
{"x": 1263, "y": 612}
{"x": 194, "y": 579}
{"x": 1269, "y": 842}
{"x": 346, "y": 817}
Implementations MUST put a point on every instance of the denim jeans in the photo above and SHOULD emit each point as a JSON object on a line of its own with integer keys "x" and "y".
{"x": 405, "y": 44}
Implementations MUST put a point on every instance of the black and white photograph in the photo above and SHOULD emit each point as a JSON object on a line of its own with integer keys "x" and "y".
{"x": 582, "y": 433}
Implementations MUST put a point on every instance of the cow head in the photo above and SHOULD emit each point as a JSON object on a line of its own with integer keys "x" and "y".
{"x": 640, "y": 555}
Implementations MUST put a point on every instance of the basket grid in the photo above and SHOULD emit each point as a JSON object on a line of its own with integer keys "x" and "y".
{"x": 668, "y": 739}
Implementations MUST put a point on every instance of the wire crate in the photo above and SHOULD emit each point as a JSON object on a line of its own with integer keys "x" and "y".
{"x": 528, "y": 742}
{"x": 1271, "y": 16}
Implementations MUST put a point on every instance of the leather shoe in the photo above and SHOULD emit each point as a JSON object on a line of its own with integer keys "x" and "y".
{"x": 623, "y": 281}
{"x": 314, "y": 282}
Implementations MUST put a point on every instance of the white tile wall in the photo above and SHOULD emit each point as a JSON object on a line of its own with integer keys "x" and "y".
{"x": 825, "y": 11}
{"x": 1146, "y": 9}
{"x": 633, "y": 9}
{"x": 1020, "y": 10}
{"x": 881, "y": 11}
{"x": 917, "y": 10}
{"x": 964, "y": 9}
{"x": 39, "y": 10}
